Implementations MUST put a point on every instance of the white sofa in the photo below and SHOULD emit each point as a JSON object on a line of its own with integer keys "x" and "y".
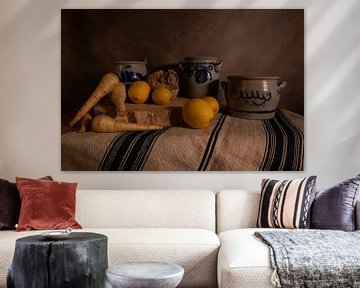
{"x": 177, "y": 226}
{"x": 243, "y": 260}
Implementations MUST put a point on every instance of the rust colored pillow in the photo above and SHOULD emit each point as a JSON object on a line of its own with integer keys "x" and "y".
{"x": 46, "y": 204}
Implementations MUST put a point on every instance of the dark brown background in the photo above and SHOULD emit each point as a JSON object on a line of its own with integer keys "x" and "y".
{"x": 258, "y": 42}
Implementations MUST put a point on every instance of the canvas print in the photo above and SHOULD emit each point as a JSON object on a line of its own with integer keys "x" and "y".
{"x": 182, "y": 90}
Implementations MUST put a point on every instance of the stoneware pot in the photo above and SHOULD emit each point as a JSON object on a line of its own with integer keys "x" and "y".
{"x": 200, "y": 76}
{"x": 252, "y": 97}
{"x": 130, "y": 71}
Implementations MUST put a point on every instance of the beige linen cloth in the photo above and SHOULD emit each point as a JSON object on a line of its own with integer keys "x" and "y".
{"x": 230, "y": 144}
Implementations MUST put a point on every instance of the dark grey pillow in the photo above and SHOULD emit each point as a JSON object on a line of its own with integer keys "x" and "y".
{"x": 10, "y": 204}
{"x": 334, "y": 208}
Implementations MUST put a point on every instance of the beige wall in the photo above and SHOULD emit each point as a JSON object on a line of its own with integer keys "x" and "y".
{"x": 30, "y": 82}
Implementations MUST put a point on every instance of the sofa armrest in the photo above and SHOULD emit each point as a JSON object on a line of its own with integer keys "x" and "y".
{"x": 357, "y": 215}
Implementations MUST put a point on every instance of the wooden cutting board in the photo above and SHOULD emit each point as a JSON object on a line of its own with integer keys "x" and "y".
{"x": 149, "y": 113}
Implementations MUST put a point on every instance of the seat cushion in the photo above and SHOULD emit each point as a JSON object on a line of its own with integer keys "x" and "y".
{"x": 196, "y": 250}
{"x": 244, "y": 261}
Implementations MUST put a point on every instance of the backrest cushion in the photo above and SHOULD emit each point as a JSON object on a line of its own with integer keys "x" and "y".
{"x": 286, "y": 204}
{"x": 334, "y": 208}
{"x": 236, "y": 209}
{"x": 146, "y": 209}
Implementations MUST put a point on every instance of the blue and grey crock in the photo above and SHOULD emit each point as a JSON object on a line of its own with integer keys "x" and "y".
{"x": 130, "y": 71}
{"x": 200, "y": 76}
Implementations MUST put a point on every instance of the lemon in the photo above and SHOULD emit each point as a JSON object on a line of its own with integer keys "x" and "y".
{"x": 214, "y": 104}
{"x": 161, "y": 96}
{"x": 139, "y": 92}
{"x": 197, "y": 113}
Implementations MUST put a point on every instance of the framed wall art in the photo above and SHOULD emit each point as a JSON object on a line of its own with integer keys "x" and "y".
{"x": 182, "y": 90}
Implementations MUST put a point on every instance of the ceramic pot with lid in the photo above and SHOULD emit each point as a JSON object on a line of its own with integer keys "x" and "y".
{"x": 200, "y": 76}
{"x": 252, "y": 97}
{"x": 130, "y": 71}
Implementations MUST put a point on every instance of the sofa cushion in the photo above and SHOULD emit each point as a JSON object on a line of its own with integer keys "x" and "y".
{"x": 46, "y": 204}
{"x": 236, "y": 209}
{"x": 244, "y": 260}
{"x": 334, "y": 208}
{"x": 194, "y": 249}
{"x": 146, "y": 209}
{"x": 286, "y": 204}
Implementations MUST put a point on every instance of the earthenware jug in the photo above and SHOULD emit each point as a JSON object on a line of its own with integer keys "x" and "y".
{"x": 252, "y": 97}
{"x": 130, "y": 71}
{"x": 200, "y": 76}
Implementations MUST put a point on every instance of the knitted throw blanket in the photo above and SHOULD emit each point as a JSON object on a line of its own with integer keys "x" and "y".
{"x": 314, "y": 258}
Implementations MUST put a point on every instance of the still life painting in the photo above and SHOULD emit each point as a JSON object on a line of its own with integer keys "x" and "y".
{"x": 182, "y": 89}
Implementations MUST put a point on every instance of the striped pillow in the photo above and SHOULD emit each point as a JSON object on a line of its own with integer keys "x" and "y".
{"x": 286, "y": 204}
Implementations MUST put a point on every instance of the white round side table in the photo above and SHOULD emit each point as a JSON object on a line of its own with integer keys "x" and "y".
{"x": 145, "y": 275}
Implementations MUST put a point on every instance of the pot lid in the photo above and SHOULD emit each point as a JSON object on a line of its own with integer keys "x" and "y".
{"x": 250, "y": 77}
{"x": 202, "y": 59}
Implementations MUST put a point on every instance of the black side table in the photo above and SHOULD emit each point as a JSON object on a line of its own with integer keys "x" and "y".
{"x": 78, "y": 261}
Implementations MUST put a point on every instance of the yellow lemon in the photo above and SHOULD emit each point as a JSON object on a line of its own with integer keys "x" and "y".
{"x": 139, "y": 92}
{"x": 197, "y": 113}
{"x": 214, "y": 104}
{"x": 161, "y": 96}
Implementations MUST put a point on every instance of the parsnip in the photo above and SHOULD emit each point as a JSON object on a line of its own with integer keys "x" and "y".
{"x": 105, "y": 124}
{"x": 85, "y": 123}
{"x": 103, "y": 109}
{"x": 106, "y": 85}
{"x": 118, "y": 97}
